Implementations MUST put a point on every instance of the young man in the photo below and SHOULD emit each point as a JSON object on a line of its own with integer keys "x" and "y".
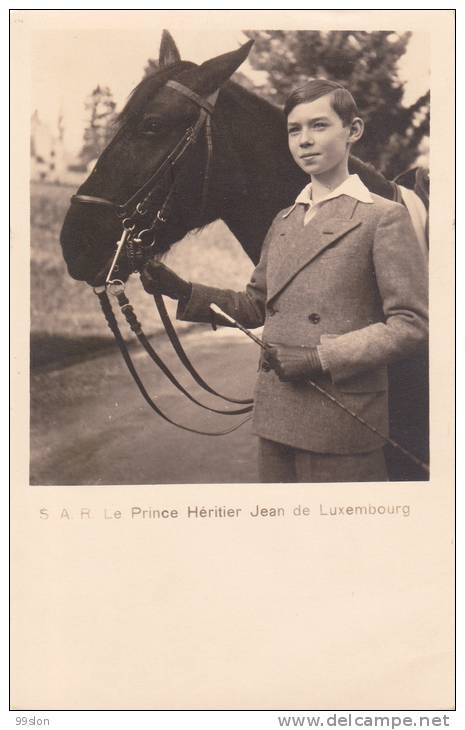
{"x": 341, "y": 288}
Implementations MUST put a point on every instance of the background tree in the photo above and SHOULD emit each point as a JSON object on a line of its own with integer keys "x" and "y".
{"x": 101, "y": 114}
{"x": 364, "y": 62}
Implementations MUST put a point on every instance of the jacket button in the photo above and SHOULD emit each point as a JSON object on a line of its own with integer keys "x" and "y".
{"x": 314, "y": 318}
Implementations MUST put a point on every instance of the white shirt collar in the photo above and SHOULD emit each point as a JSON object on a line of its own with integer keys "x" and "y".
{"x": 351, "y": 186}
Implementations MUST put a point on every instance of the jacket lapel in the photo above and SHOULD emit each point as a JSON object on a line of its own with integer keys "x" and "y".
{"x": 300, "y": 244}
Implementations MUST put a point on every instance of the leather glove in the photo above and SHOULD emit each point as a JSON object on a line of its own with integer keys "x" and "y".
{"x": 293, "y": 362}
{"x": 159, "y": 279}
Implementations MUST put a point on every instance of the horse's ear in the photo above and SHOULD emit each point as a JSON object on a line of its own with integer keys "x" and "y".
{"x": 217, "y": 70}
{"x": 169, "y": 54}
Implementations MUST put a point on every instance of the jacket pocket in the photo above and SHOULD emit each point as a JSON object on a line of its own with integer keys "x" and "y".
{"x": 370, "y": 381}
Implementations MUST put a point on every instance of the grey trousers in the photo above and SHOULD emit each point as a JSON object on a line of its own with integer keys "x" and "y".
{"x": 280, "y": 463}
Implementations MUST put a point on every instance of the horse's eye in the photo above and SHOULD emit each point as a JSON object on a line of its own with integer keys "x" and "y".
{"x": 150, "y": 126}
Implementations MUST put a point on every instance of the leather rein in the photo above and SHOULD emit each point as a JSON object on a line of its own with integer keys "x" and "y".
{"x": 139, "y": 240}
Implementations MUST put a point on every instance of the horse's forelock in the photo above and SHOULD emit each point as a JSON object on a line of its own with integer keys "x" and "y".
{"x": 146, "y": 90}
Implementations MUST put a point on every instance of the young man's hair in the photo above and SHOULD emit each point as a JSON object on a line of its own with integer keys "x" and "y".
{"x": 342, "y": 100}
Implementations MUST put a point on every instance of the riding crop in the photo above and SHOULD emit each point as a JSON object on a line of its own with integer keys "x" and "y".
{"x": 217, "y": 310}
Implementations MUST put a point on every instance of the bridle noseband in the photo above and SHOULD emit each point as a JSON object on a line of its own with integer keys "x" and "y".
{"x": 138, "y": 236}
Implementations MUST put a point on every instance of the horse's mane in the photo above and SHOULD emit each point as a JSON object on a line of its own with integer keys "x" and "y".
{"x": 255, "y": 104}
{"x": 374, "y": 180}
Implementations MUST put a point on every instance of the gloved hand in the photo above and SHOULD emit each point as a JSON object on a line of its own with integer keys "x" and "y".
{"x": 292, "y": 362}
{"x": 159, "y": 279}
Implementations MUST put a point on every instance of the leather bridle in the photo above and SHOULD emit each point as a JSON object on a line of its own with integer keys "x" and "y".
{"x": 140, "y": 242}
{"x": 138, "y": 236}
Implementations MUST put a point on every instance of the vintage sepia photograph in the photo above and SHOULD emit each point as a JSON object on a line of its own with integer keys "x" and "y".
{"x": 184, "y": 193}
{"x": 232, "y": 481}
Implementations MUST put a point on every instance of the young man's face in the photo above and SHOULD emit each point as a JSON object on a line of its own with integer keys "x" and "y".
{"x": 318, "y": 141}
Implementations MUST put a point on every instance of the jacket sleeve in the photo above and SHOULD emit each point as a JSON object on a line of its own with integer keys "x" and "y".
{"x": 247, "y": 307}
{"x": 401, "y": 272}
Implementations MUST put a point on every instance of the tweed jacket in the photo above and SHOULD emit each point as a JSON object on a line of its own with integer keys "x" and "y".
{"x": 352, "y": 282}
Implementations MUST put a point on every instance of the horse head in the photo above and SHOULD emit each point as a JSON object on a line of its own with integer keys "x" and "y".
{"x": 157, "y": 160}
